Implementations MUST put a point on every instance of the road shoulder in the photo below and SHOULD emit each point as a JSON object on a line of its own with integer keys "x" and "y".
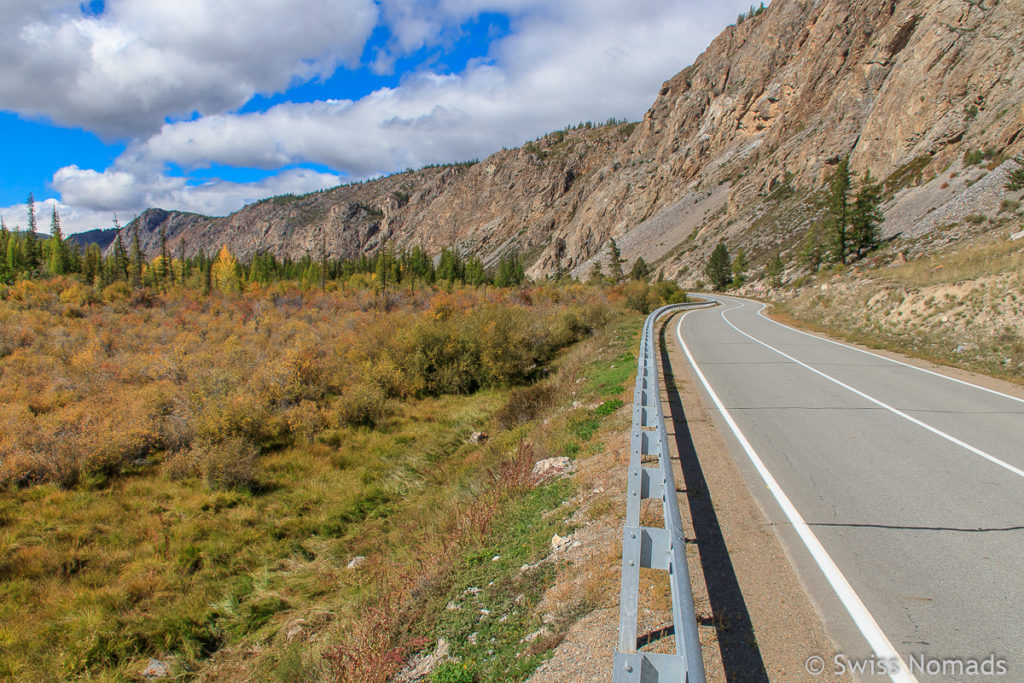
{"x": 745, "y": 585}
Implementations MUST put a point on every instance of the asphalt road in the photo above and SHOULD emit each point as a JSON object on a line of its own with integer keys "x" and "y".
{"x": 898, "y": 493}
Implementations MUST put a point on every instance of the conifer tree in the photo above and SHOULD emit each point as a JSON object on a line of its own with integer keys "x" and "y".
{"x": 449, "y": 267}
{"x": 135, "y": 259}
{"x": 164, "y": 273}
{"x": 811, "y": 253}
{"x": 739, "y": 267}
{"x": 640, "y": 269}
{"x": 323, "y": 260}
{"x": 92, "y": 263}
{"x": 223, "y": 273}
{"x": 866, "y": 215}
{"x": 774, "y": 270}
{"x": 120, "y": 261}
{"x": 718, "y": 267}
{"x": 58, "y": 262}
{"x": 838, "y": 204}
{"x": 615, "y": 262}
{"x": 31, "y": 248}
{"x": 475, "y": 274}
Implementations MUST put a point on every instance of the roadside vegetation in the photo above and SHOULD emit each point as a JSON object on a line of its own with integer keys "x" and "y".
{"x": 187, "y": 474}
{"x": 962, "y": 307}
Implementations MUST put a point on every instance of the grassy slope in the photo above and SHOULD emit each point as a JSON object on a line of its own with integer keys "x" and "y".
{"x": 963, "y": 306}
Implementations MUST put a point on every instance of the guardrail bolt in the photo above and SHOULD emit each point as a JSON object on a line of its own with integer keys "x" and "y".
{"x": 629, "y": 668}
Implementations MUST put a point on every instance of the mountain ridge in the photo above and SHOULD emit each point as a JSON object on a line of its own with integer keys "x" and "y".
{"x": 773, "y": 102}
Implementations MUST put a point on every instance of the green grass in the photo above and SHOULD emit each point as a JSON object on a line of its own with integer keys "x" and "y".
{"x": 98, "y": 580}
{"x": 509, "y": 595}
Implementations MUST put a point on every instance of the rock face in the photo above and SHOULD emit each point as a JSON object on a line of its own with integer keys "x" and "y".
{"x": 905, "y": 87}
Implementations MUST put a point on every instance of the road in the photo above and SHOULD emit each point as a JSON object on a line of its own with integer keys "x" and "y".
{"x": 897, "y": 492}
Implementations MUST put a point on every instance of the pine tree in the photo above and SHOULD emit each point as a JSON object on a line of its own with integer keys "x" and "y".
{"x": 739, "y": 268}
{"x": 615, "y": 262}
{"x": 15, "y": 254}
{"x": 640, "y": 269}
{"x": 811, "y": 253}
{"x": 559, "y": 255}
{"x": 135, "y": 259}
{"x": 184, "y": 264}
{"x": 92, "y": 264}
{"x": 5, "y": 238}
{"x": 718, "y": 267}
{"x": 1015, "y": 177}
{"x": 475, "y": 274}
{"x": 120, "y": 260}
{"x": 838, "y": 204}
{"x": 58, "y": 262}
{"x": 774, "y": 269}
{"x": 164, "y": 271}
{"x": 31, "y": 247}
{"x": 449, "y": 267}
{"x": 866, "y": 215}
{"x": 323, "y": 260}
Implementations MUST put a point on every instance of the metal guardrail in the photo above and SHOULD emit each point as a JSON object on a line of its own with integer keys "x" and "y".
{"x": 657, "y": 548}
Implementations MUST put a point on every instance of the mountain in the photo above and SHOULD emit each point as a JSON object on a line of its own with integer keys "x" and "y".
{"x": 735, "y": 147}
{"x": 102, "y": 237}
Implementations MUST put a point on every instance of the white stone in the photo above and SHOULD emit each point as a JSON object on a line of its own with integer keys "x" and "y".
{"x": 551, "y": 467}
{"x": 558, "y": 542}
{"x": 156, "y": 669}
{"x": 357, "y": 562}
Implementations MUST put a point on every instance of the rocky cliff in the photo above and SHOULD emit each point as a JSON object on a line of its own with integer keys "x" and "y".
{"x": 733, "y": 148}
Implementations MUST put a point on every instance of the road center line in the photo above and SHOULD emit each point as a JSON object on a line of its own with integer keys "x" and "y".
{"x": 895, "y": 411}
{"x": 866, "y": 623}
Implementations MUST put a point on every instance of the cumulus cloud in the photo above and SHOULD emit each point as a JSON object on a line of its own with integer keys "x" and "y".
{"x": 561, "y": 62}
{"x": 123, "y": 72}
{"x": 565, "y": 62}
{"x": 90, "y": 199}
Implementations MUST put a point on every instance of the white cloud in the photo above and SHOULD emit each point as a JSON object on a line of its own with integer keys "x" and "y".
{"x": 568, "y": 62}
{"x": 562, "y": 62}
{"x": 122, "y": 73}
{"x": 72, "y": 219}
{"x": 90, "y": 199}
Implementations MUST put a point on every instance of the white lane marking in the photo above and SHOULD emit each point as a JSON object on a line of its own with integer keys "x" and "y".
{"x": 866, "y": 623}
{"x": 760, "y": 312}
{"x": 895, "y": 411}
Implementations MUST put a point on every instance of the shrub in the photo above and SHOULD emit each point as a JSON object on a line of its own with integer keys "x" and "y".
{"x": 453, "y": 672}
{"x": 78, "y": 295}
{"x": 362, "y": 404}
{"x": 119, "y": 291}
{"x": 638, "y": 297}
{"x": 228, "y": 464}
{"x": 524, "y": 404}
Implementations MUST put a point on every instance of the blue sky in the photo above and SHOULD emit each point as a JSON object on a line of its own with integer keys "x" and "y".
{"x": 202, "y": 105}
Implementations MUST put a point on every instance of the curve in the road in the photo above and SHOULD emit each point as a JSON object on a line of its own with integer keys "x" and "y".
{"x": 866, "y": 623}
{"x": 871, "y": 451}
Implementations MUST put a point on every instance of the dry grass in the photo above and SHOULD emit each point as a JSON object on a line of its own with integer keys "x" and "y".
{"x": 188, "y": 478}
{"x": 963, "y": 307}
{"x": 970, "y": 263}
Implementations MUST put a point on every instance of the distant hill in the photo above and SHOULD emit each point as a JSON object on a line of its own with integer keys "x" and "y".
{"x": 103, "y": 237}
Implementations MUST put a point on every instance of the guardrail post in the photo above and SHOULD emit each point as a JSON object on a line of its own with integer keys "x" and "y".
{"x": 651, "y": 547}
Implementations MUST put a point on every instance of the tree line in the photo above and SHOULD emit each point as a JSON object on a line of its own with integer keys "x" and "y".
{"x": 23, "y": 255}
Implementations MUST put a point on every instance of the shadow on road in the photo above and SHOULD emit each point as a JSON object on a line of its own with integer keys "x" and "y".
{"x": 741, "y": 656}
